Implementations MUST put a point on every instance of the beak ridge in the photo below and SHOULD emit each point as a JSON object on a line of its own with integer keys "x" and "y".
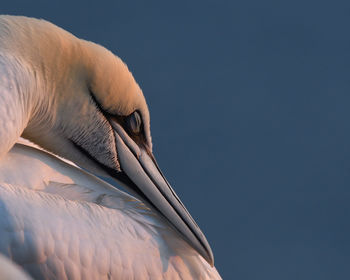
{"x": 142, "y": 169}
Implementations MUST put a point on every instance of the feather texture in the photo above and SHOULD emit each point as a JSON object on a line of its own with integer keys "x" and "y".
{"x": 59, "y": 222}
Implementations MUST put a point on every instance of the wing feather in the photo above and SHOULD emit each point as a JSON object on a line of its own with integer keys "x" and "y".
{"x": 67, "y": 223}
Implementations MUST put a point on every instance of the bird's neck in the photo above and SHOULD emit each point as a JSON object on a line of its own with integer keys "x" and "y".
{"x": 18, "y": 99}
{"x": 34, "y": 68}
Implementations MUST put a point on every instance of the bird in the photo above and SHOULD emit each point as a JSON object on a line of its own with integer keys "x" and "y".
{"x": 84, "y": 117}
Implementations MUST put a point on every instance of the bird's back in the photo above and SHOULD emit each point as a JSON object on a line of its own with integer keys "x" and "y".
{"x": 59, "y": 222}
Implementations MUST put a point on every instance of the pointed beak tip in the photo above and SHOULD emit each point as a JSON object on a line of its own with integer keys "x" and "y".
{"x": 209, "y": 257}
{"x": 210, "y": 260}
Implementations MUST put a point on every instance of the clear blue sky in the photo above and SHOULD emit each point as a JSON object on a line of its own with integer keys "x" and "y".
{"x": 250, "y": 118}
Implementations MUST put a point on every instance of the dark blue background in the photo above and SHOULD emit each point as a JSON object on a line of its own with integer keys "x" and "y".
{"x": 250, "y": 119}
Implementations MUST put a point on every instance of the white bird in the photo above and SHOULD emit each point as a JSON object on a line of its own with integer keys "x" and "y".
{"x": 79, "y": 101}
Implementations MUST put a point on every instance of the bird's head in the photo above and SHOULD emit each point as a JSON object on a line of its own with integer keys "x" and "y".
{"x": 94, "y": 113}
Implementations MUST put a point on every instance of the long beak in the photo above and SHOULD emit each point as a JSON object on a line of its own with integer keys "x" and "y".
{"x": 143, "y": 176}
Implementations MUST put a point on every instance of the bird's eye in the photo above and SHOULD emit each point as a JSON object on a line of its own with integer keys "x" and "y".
{"x": 134, "y": 122}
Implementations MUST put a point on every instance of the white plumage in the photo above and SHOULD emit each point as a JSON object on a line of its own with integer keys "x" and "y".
{"x": 58, "y": 221}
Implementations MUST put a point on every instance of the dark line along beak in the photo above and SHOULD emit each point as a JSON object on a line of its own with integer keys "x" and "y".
{"x": 144, "y": 174}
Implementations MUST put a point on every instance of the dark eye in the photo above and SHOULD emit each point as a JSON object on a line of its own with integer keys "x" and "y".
{"x": 134, "y": 122}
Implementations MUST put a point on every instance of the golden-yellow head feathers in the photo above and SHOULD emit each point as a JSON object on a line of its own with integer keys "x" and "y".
{"x": 113, "y": 85}
{"x": 68, "y": 69}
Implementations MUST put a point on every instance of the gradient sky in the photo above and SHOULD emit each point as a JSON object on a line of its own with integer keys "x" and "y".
{"x": 250, "y": 115}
